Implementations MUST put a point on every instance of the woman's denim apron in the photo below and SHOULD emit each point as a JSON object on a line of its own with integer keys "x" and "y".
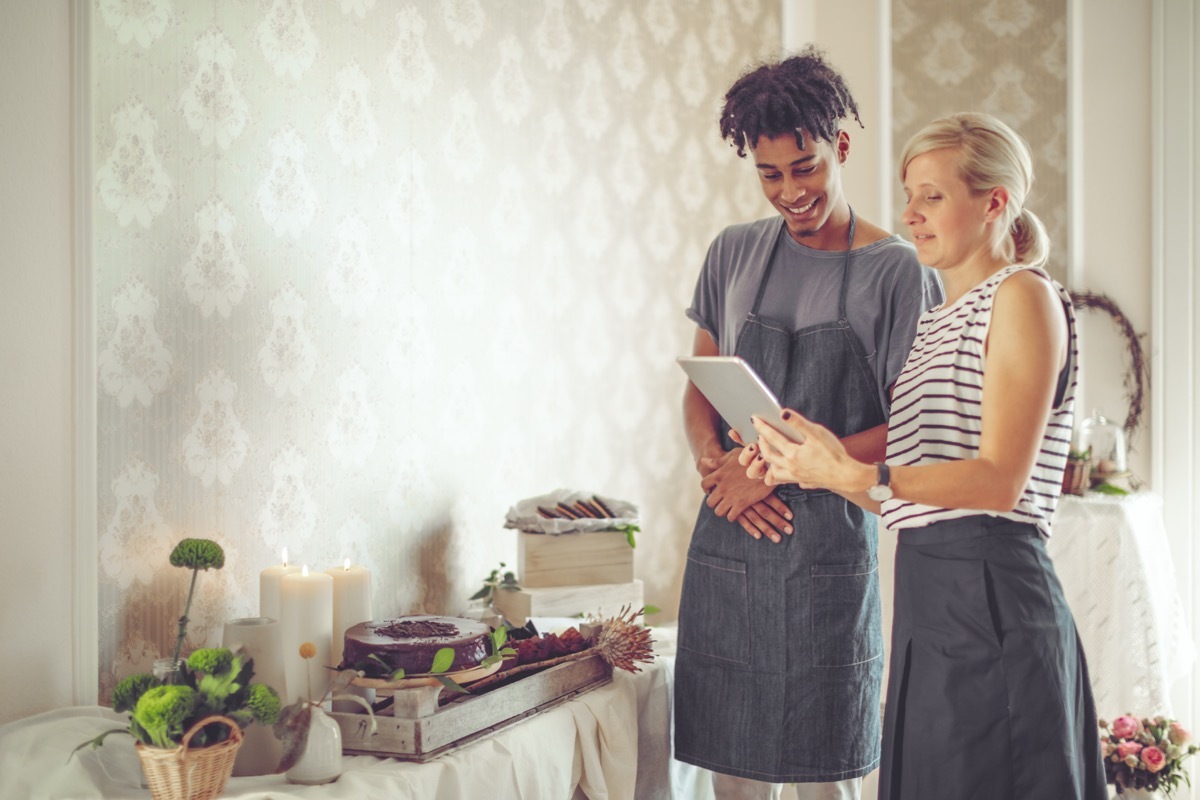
{"x": 988, "y": 695}
{"x": 780, "y": 647}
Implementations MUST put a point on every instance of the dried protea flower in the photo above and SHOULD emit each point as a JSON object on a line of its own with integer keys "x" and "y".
{"x": 622, "y": 643}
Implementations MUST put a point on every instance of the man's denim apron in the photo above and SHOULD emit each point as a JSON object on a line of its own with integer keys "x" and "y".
{"x": 780, "y": 645}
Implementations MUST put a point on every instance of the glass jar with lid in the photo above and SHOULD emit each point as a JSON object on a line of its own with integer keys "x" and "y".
{"x": 1106, "y": 441}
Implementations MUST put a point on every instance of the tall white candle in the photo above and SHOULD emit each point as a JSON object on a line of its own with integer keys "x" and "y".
{"x": 268, "y": 586}
{"x": 306, "y": 611}
{"x": 351, "y": 601}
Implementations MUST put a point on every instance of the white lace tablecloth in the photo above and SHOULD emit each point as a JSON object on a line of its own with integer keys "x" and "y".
{"x": 611, "y": 743}
{"x": 1115, "y": 564}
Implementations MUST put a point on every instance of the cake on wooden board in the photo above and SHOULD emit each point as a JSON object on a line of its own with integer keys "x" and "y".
{"x": 410, "y": 643}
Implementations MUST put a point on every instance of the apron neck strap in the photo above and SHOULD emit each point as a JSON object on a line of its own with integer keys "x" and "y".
{"x": 762, "y": 284}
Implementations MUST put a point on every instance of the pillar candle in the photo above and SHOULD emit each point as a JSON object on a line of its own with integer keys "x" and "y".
{"x": 351, "y": 605}
{"x": 268, "y": 587}
{"x": 260, "y": 638}
{"x": 306, "y": 615}
{"x": 351, "y": 601}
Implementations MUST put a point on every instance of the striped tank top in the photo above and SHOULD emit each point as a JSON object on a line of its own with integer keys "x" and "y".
{"x": 936, "y": 407}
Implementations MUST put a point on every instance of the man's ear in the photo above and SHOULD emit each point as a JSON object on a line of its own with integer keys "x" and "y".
{"x": 842, "y": 145}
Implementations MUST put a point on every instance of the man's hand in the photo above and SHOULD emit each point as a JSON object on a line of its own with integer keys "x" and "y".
{"x": 750, "y": 503}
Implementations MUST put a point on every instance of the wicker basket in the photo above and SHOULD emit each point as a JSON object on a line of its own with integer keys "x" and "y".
{"x": 1076, "y": 476}
{"x": 197, "y": 774}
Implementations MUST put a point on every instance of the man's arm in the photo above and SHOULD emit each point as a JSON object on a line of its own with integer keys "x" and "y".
{"x": 731, "y": 494}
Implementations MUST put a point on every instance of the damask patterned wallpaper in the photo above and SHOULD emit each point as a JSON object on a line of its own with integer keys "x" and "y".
{"x": 1004, "y": 57}
{"x": 368, "y": 272}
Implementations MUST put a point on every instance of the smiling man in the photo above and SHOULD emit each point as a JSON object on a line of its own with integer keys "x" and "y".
{"x": 780, "y": 651}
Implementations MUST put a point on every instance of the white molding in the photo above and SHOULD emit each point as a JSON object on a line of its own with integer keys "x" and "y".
{"x": 888, "y": 178}
{"x": 86, "y": 616}
{"x": 1175, "y": 298}
{"x": 1075, "y": 77}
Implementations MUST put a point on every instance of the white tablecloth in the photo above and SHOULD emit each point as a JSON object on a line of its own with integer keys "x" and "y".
{"x": 1114, "y": 561}
{"x": 611, "y": 743}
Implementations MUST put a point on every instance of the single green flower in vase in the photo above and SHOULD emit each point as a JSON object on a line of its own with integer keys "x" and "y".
{"x": 196, "y": 555}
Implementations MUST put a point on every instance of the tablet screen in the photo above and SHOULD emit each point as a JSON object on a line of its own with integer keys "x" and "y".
{"x": 736, "y": 392}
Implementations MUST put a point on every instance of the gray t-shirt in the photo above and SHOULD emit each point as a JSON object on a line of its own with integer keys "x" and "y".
{"x": 888, "y": 291}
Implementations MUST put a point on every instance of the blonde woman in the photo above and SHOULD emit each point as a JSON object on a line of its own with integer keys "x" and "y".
{"x": 988, "y": 695}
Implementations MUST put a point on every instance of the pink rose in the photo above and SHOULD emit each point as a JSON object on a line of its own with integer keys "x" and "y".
{"x": 1179, "y": 734}
{"x": 1125, "y": 726}
{"x": 1154, "y": 759}
{"x": 1126, "y": 749}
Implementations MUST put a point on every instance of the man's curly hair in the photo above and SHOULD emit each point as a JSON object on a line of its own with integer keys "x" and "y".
{"x": 799, "y": 93}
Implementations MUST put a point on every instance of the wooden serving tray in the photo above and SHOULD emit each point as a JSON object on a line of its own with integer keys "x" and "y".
{"x": 468, "y": 718}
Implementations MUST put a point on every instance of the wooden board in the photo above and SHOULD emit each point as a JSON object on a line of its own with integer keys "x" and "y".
{"x": 599, "y": 600}
{"x": 468, "y": 718}
{"x": 581, "y": 558}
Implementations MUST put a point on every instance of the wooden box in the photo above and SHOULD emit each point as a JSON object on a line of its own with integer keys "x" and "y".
{"x": 468, "y": 718}
{"x": 579, "y": 558}
{"x": 601, "y": 600}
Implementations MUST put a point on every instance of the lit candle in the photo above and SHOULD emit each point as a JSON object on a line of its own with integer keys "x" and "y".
{"x": 306, "y": 610}
{"x": 351, "y": 605}
{"x": 268, "y": 587}
{"x": 351, "y": 601}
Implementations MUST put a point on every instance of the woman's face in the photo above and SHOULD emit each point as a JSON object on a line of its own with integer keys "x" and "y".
{"x": 949, "y": 223}
{"x": 805, "y": 186}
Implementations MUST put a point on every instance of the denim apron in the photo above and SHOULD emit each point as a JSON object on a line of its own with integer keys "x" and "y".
{"x": 780, "y": 659}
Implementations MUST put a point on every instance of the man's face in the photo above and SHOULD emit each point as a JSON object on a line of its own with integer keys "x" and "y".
{"x": 805, "y": 186}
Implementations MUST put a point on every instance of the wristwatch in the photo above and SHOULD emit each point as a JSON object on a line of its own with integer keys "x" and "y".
{"x": 881, "y": 490}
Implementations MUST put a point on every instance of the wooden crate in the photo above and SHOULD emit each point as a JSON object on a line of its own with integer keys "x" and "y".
{"x": 600, "y": 600}
{"x": 468, "y": 718}
{"x": 579, "y": 558}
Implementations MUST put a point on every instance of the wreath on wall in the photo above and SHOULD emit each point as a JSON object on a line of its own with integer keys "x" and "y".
{"x": 1137, "y": 377}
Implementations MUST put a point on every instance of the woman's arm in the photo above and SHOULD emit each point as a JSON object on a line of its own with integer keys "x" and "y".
{"x": 1025, "y": 349}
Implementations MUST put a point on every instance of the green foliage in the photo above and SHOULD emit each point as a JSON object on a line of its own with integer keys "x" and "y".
{"x": 213, "y": 682}
{"x": 1109, "y": 488}
{"x": 160, "y": 714}
{"x": 499, "y": 651}
{"x": 442, "y": 659}
{"x": 496, "y": 580}
{"x": 129, "y": 690}
{"x": 198, "y": 554}
{"x": 629, "y": 529}
{"x": 1079, "y": 455}
{"x": 263, "y": 703}
{"x": 210, "y": 660}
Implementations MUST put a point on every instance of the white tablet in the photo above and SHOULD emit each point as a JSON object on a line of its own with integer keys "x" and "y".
{"x": 736, "y": 392}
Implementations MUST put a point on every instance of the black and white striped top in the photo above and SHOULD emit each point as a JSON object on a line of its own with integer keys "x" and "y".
{"x": 936, "y": 407}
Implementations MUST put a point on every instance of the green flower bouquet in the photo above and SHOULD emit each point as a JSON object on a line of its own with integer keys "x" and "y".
{"x": 213, "y": 700}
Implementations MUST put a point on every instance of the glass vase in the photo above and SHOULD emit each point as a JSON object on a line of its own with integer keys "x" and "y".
{"x": 321, "y": 761}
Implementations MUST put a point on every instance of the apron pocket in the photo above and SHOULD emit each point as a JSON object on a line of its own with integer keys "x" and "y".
{"x": 716, "y": 620}
{"x": 845, "y": 620}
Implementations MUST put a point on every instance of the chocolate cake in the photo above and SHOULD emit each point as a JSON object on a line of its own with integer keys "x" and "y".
{"x": 409, "y": 643}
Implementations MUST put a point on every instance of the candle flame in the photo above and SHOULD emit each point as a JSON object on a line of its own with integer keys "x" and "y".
{"x": 346, "y": 564}
{"x": 304, "y": 570}
{"x": 285, "y": 556}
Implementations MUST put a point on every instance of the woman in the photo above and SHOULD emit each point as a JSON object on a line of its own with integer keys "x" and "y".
{"x": 988, "y": 694}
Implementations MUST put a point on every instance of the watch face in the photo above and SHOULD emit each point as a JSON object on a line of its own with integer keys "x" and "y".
{"x": 879, "y": 493}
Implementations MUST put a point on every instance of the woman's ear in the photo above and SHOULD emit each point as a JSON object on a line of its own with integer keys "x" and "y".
{"x": 997, "y": 202}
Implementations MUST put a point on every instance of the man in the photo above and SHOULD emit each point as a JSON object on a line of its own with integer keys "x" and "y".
{"x": 780, "y": 650}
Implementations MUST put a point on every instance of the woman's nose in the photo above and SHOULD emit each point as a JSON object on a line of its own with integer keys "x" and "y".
{"x": 908, "y": 217}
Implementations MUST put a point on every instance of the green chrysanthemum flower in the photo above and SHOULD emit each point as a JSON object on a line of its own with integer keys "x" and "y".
{"x": 210, "y": 660}
{"x": 125, "y": 697}
{"x": 198, "y": 554}
{"x": 263, "y": 703}
{"x": 161, "y": 711}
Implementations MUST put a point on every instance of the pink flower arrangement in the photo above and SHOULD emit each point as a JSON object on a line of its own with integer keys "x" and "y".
{"x": 1145, "y": 753}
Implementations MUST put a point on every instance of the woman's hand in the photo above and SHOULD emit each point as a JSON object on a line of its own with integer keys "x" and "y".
{"x": 821, "y": 462}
